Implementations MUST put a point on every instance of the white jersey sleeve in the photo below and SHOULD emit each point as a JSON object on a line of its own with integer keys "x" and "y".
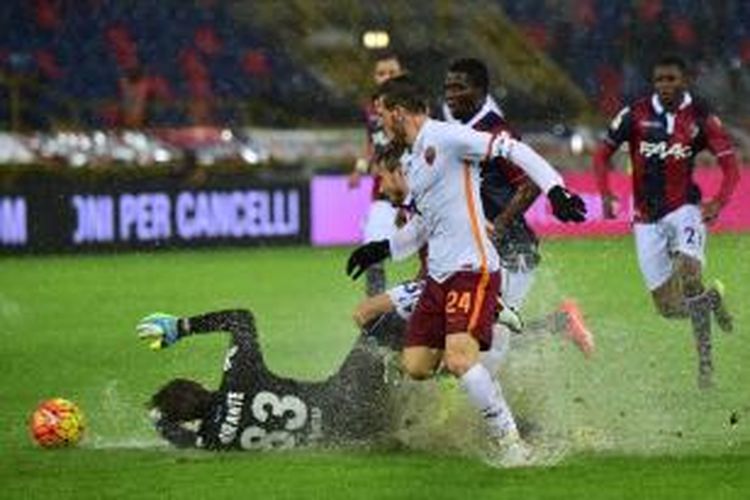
{"x": 407, "y": 240}
{"x": 481, "y": 146}
{"x": 470, "y": 144}
{"x": 531, "y": 162}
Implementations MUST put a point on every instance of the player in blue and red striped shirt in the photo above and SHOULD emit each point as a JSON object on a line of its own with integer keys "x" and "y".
{"x": 665, "y": 131}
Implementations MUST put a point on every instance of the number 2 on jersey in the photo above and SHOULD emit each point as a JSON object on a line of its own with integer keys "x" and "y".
{"x": 692, "y": 236}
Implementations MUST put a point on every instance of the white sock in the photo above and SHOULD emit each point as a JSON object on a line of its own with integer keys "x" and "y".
{"x": 515, "y": 286}
{"x": 486, "y": 395}
{"x": 494, "y": 357}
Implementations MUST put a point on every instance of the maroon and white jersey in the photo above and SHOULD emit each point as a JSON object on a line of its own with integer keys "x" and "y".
{"x": 663, "y": 146}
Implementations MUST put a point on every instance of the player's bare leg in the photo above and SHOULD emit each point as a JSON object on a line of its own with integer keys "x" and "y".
{"x": 372, "y": 307}
{"x": 420, "y": 362}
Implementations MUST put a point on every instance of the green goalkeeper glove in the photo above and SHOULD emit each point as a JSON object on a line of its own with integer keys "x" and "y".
{"x": 159, "y": 330}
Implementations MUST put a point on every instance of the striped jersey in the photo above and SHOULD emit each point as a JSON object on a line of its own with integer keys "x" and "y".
{"x": 663, "y": 147}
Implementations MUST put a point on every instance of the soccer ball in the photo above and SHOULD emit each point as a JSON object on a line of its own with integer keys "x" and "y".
{"x": 57, "y": 423}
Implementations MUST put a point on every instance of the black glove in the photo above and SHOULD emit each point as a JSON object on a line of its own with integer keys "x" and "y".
{"x": 567, "y": 206}
{"x": 365, "y": 256}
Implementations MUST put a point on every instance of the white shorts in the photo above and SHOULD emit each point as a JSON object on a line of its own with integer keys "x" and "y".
{"x": 380, "y": 222}
{"x": 681, "y": 231}
{"x": 405, "y": 297}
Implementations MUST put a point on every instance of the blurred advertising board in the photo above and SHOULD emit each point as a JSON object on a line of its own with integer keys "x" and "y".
{"x": 68, "y": 215}
{"x": 338, "y": 212}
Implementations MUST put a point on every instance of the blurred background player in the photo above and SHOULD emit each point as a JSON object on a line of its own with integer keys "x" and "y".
{"x": 507, "y": 193}
{"x": 453, "y": 318}
{"x": 665, "y": 131}
{"x": 134, "y": 95}
{"x": 253, "y": 408}
{"x": 380, "y": 221}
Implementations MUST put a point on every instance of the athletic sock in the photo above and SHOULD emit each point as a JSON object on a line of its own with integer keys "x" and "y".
{"x": 375, "y": 280}
{"x": 494, "y": 357}
{"x": 719, "y": 308}
{"x": 699, "y": 307}
{"x": 486, "y": 395}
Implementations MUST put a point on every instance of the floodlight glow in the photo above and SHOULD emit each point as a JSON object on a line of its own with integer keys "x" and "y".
{"x": 576, "y": 144}
{"x": 376, "y": 39}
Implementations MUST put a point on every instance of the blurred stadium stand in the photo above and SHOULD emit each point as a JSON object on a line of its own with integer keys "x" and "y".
{"x": 65, "y": 60}
{"x": 608, "y": 46}
{"x": 297, "y": 63}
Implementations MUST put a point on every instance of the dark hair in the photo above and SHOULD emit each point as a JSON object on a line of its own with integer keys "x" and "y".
{"x": 403, "y": 91}
{"x": 672, "y": 60}
{"x": 389, "y": 156}
{"x": 182, "y": 400}
{"x": 387, "y": 56}
{"x": 475, "y": 69}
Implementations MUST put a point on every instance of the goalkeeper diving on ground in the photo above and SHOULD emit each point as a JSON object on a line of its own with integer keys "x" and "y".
{"x": 253, "y": 408}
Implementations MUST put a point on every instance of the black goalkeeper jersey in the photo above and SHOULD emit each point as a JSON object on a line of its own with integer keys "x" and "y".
{"x": 257, "y": 409}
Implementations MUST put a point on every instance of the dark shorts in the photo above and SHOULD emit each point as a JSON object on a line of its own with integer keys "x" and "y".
{"x": 466, "y": 302}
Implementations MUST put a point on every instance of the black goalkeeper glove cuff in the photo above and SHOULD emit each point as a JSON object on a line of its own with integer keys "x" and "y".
{"x": 365, "y": 256}
{"x": 566, "y": 206}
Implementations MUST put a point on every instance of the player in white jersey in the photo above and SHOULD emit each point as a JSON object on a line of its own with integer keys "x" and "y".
{"x": 398, "y": 302}
{"x": 454, "y": 316}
